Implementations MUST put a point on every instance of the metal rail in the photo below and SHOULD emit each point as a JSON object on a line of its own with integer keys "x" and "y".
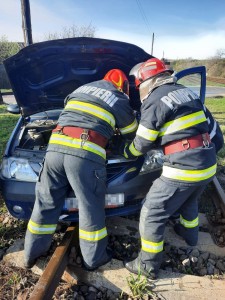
{"x": 217, "y": 229}
{"x": 221, "y": 195}
{"x": 48, "y": 282}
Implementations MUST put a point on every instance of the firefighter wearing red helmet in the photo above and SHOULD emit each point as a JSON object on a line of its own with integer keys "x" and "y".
{"x": 173, "y": 118}
{"x": 76, "y": 158}
{"x": 118, "y": 79}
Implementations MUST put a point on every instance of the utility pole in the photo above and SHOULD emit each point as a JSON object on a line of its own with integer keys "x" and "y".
{"x": 26, "y": 22}
{"x": 152, "y": 43}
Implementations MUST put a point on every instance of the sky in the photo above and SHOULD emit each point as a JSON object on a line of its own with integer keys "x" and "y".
{"x": 182, "y": 29}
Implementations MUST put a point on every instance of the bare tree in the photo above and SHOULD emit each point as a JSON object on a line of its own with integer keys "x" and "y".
{"x": 72, "y": 31}
{"x": 220, "y": 53}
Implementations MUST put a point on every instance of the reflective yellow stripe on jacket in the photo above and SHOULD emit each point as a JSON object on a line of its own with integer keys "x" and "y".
{"x": 41, "y": 229}
{"x": 130, "y": 128}
{"x": 152, "y": 247}
{"x": 93, "y": 110}
{"x": 183, "y": 123}
{"x": 189, "y": 175}
{"x": 189, "y": 224}
{"x": 60, "y": 139}
{"x": 148, "y": 134}
{"x": 133, "y": 150}
{"x": 93, "y": 236}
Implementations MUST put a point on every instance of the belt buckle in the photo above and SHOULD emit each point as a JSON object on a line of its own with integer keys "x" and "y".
{"x": 84, "y": 137}
{"x": 205, "y": 140}
{"x": 185, "y": 144}
{"x": 59, "y": 130}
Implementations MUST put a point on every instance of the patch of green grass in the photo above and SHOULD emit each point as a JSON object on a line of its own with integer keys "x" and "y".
{"x": 9, "y": 232}
{"x": 14, "y": 279}
{"x": 217, "y": 108}
{"x": 3, "y": 208}
{"x": 7, "y": 124}
{"x": 139, "y": 286}
{"x": 211, "y": 83}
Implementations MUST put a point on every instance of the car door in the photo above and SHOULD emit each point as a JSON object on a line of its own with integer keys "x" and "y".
{"x": 195, "y": 79}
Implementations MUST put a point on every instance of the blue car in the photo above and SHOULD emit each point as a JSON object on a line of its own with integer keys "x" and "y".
{"x": 41, "y": 76}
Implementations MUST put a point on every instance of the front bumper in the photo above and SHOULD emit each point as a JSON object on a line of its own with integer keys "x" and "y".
{"x": 22, "y": 195}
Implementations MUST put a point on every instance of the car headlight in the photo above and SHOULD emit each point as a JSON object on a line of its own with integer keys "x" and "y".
{"x": 153, "y": 160}
{"x": 20, "y": 169}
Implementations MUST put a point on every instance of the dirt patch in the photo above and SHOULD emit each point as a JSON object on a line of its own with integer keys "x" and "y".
{"x": 15, "y": 283}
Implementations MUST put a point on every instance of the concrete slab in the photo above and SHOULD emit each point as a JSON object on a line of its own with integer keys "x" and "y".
{"x": 169, "y": 286}
{"x": 15, "y": 257}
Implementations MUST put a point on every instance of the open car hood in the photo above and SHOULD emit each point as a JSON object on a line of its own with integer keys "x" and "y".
{"x": 43, "y": 74}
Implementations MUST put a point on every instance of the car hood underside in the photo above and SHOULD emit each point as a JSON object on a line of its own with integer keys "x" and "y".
{"x": 43, "y": 74}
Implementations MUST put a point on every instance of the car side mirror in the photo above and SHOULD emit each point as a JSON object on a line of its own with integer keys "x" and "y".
{"x": 13, "y": 109}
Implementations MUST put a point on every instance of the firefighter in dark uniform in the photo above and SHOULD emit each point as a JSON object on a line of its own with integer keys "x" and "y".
{"x": 172, "y": 116}
{"x": 76, "y": 157}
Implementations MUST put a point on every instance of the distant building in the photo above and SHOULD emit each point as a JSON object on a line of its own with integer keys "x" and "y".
{"x": 167, "y": 63}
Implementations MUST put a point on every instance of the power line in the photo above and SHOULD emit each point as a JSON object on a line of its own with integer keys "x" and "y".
{"x": 143, "y": 15}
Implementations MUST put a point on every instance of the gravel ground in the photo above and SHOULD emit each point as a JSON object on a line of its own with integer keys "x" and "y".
{"x": 17, "y": 283}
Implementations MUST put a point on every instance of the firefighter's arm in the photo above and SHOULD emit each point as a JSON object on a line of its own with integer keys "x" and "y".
{"x": 147, "y": 132}
{"x": 125, "y": 118}
{"x": 144, "y": 141}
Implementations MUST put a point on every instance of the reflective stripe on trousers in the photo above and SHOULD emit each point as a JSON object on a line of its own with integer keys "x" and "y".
{"x": 93, "y": 236}
{"x": 151, "y": 247}
{"x": 36, "y": 228}
{"x": 189, "y": 223}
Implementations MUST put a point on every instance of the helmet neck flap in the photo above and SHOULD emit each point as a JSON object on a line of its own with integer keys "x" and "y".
{"x": 147, "y": 86}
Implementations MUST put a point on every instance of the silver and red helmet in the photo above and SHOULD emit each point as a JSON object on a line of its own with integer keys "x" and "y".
{"x": 148, "y": 69}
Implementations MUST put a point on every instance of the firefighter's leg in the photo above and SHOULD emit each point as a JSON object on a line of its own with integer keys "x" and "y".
{"x": 161, "y": 202}
{"x": 51, "y": 189}
{"x": 154, "y": 214}
{"x": 189, "y": 223}
{"x": 89, "y": 184}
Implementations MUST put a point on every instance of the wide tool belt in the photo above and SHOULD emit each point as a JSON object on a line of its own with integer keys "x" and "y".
{"x": 201, "y": 140}
{"x": 83, "y": 134}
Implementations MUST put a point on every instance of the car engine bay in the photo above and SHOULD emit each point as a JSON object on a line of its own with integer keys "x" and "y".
{"x": 36, "y": 135}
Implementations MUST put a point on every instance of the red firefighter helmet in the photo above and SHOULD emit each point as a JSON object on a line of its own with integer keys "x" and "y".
{"x": 118, "y": 79}
{"x": 148, "y": 69}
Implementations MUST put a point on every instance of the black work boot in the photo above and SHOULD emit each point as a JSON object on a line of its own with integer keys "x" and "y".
{"x": 138, "y": 267}
{"x": 189, "y": 238}
{"x": 29, "y": 264}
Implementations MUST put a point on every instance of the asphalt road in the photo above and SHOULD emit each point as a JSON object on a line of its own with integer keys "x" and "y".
{"x": 210, "y": 92}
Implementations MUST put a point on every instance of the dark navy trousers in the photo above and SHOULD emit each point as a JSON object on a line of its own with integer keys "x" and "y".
{"x": 88, "y": 180}
{"x": 162, "y": 201}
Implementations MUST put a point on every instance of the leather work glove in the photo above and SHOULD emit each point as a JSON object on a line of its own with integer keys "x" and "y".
{"x": 117, "y": 146}
{"x": 121, "y": 147}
